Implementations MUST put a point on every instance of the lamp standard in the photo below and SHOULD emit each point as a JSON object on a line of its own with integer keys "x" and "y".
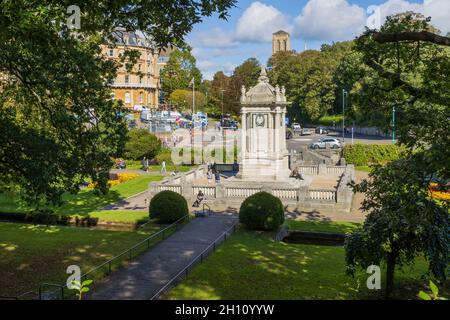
{"x": 393, "y": 125}
{"x": 221, "y": 123}
{"x": 344, "y": 94}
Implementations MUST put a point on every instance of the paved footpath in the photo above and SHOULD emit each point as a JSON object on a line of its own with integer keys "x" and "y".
{"x": 149, "y": 272}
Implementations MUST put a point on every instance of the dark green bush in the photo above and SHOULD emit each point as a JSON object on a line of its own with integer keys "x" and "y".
{"x": 366, "y": 155}
{"x": 168, "y": 206}
{"x": 262, "y": 211}
{"x": 141, "y": 143}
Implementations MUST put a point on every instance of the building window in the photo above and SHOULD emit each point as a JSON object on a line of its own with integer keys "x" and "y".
{"x": 140, "y": 67}
{"x": 127, "y": 97}
{"x": 127, "y": 78}
{"x": 141, "y": 98}
{"x": 111, "y": 52}
{"x": 140, "y": 79}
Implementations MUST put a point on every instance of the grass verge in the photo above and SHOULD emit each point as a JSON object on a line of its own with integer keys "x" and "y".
{"x": 251, "y": 266}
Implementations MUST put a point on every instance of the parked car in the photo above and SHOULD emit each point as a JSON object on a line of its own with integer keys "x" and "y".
{"x": 296, "y": 126}
{"x": 323, "y": 143}
{"x": 321, "y": 130}
{"x": 229, "y": 124}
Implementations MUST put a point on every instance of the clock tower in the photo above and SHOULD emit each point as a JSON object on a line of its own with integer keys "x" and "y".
{"x": 263, "y": 134}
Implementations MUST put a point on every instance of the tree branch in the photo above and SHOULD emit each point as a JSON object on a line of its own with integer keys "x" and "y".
{"x": 411, "y": 36}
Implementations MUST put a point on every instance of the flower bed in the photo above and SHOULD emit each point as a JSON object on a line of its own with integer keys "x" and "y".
{"x": 439, "y": 194}
{"x": 121, "y": 178}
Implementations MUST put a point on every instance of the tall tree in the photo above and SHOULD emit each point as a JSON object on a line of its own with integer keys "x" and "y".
{"x": 179, "y": 72}
{"x": 409, "y": 69}
{"x": 58, "y": 123}
{"x": 245, "y": 74}
{"x": 309, "y": 78}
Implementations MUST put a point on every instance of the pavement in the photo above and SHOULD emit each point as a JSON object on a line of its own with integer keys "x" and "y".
{"x": 149, "y": 272}
{"x": 136, "y": 203}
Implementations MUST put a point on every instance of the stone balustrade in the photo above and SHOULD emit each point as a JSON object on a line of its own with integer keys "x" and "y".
{"x": 322, "y": 195}
{"x": 236, "y": 192}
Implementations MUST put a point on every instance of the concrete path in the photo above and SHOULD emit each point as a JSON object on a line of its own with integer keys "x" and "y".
{"x": 138, "y": 202}
{"x": 146, "y": 275}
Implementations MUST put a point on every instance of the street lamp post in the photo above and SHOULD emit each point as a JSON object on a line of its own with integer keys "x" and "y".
{"x": 393, "y": 124}
{"x": 344, "y": 93}
{"x": 221, "y": 122}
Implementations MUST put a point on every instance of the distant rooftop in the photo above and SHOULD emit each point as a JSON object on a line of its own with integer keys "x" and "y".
{"x": 281, "y": 32}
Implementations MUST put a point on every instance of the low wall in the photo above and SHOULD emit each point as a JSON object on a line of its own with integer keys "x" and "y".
{"x": 234, "y": 193}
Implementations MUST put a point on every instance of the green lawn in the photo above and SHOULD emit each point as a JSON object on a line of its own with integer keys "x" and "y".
{"x": 87, "y": 203}
{"x": 363, "y": 168}
{"x": 251, "y": 266}
{"x": 136, "y": 165}
{"x": 322, "y": 226}
{"x": 30, "y": 254}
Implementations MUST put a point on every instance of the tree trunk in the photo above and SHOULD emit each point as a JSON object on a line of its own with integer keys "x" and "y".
{"x": 391, "y": 261}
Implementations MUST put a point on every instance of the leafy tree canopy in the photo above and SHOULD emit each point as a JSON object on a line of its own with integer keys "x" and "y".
{"x": 179, "y": 72}
{"x": 57, "y": 121}
{"x": 404, "y": 221}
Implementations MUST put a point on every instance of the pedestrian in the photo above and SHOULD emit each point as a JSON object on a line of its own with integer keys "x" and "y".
{"x": 217, "y": 177}
{"x": 210, "y": 176}
{"x": 163, "y": 167}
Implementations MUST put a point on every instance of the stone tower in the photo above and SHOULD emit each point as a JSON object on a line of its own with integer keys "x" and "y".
{"x": 281, "y": 42}
{"x": 264, "y": 153}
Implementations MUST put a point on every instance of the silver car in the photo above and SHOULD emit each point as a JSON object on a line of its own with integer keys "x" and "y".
{"x": 323, "y": 143}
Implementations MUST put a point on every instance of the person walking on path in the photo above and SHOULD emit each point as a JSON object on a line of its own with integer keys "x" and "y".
{"x": 217, "y": 177}
{"x": 210, "y": 176}
{"x": 163, "y": 167}
{"x": 145, "y": 164}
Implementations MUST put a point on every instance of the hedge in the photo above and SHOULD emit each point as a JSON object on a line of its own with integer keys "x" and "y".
{"x": 262, "y": 211}
{"x": 168, "y": 207}
{"x": 369, "y": 154}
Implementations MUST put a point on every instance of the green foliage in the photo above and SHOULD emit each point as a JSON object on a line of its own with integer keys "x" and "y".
{"x": 245, "y": 74}
{"x": 179, "y": 71}
{"x": 141, "y": 143}
{"x": 434, "y": 293}
{"x": 402, "y": 221}
{"x": 310, "y": 80}
{"x": 81, "y": 287}
{"x": 164, "y": 155}
{"x": 58, "y": 123}
{"x": 366, "y": 155}
{"x": 262, "y": 211}
{"x": 183, "y": 100}
{"x": 329, "y": 121}
{"x": 168, "y": 207}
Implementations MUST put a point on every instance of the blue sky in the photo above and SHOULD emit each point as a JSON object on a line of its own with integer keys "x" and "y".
{"x": 222, "y": 45}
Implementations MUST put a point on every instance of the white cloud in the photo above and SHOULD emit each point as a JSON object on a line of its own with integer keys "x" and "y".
{"x": 438, "y": 10}
{"x": 205, "y": 64}
{"x": 330, "y": 20}
{"x": 215, "y": 38}
{"x": 259, "y": 22}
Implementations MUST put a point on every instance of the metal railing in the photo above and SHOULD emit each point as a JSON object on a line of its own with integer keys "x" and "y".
{"x": 209, "y": 209}
{"x": 199, "y": 259}
{"x": 128, "y": 254}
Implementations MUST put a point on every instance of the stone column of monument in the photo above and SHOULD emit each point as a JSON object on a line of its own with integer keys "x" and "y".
{"x": 263, "y": 134}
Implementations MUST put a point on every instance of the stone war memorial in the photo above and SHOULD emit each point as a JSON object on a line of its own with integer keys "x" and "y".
{"x": 264, "y": 163}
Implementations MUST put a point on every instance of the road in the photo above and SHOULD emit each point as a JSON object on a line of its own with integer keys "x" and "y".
{"x": 298, "y": 142}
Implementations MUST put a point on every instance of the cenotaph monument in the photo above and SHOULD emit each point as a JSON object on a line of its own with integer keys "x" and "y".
{"x": 263, "y": 133}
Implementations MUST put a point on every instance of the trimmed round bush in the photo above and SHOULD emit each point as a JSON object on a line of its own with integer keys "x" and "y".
{"x": 262, "y": 211}
{"x": 168, "y": 206}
